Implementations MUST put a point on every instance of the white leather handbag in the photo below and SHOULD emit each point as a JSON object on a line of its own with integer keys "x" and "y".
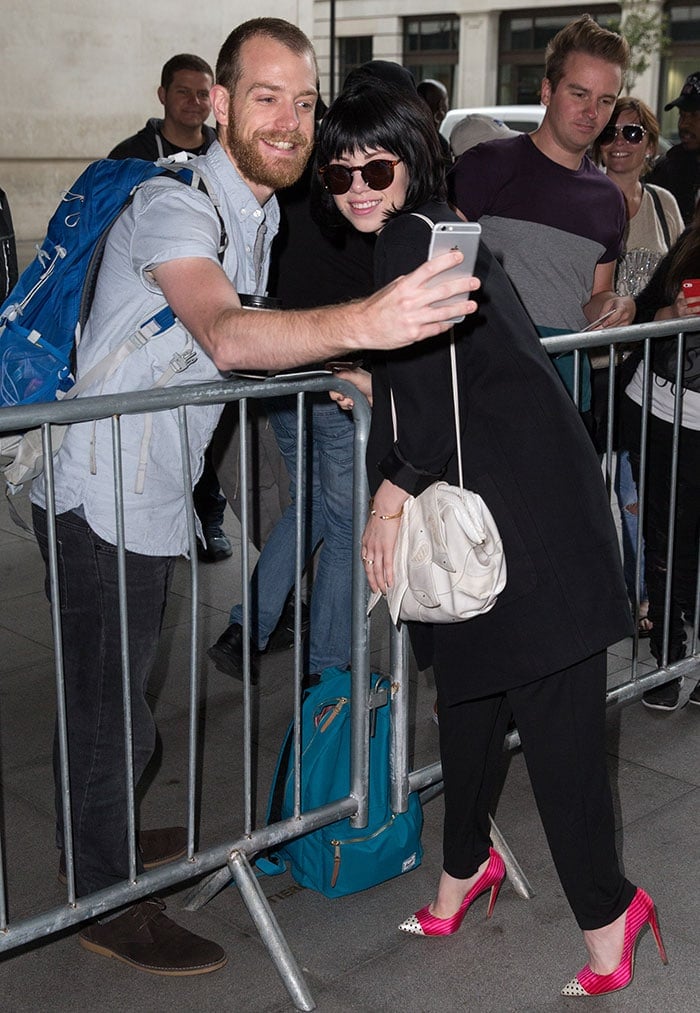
{"x": 449, "y": 563}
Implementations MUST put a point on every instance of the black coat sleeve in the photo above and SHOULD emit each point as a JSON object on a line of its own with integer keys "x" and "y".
{"x": 419, "y": 376}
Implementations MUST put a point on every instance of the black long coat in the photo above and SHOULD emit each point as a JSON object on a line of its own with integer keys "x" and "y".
{"x": 526, "y": 451}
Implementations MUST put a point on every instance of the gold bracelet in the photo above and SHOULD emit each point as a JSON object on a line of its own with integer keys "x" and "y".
{"x": 383, "y": 517}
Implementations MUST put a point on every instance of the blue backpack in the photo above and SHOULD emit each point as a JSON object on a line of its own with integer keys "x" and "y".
{"x": 43, "y": 317}
{"x": 338, "y": 859}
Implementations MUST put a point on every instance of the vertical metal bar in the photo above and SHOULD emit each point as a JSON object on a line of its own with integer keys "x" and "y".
{"x": 359, "y": 707}
{"x": 398, "y": 759}
{"x": 245, "y": 608}
{"x": 576, "y": 383}
{"x": 673, "y": 497}
{"x": 61, "y": 714}
{"x": 642, "y": 487}
{"x": 194, "y": 630}
{"x": 124, "y": 637}
{"x": 610, "y": 420}
{"x": 299, "y": 560}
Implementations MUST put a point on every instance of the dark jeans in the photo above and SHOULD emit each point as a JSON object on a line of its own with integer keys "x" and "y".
{"x": 209, "y": 501}
{"x": 656, "y": 519}
{"x": 87, "y": 573}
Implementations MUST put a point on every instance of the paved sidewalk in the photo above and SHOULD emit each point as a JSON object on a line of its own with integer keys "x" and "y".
{"x": 353, "y": 957}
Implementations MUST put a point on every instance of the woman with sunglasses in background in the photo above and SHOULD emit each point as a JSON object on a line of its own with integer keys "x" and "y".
{"x": 540, "y": 652}
{"x": 627, "y": 147}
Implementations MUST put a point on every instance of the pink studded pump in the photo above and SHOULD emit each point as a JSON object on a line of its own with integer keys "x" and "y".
{"x": 423, "y": 923}
{"x": 641, "y": 912}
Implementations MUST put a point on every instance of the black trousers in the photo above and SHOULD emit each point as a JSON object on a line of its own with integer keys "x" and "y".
{"x": 561, "y": 722}
{"x": 656, "y": 520}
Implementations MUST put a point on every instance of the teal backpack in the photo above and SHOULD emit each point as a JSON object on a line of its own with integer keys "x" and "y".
{"x": 339, "y": 859}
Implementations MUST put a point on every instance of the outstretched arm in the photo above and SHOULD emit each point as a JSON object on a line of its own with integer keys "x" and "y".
{"x": 202, "y": 297}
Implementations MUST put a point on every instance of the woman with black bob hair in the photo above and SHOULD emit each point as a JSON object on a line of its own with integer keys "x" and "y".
{"x": 540, "y": 653}
{"x": 418, "y": 148}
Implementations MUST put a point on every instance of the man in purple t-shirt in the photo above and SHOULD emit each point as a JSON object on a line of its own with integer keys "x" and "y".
{"x": 554, "y": 220}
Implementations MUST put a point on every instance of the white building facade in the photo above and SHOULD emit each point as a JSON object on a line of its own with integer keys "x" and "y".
{"x": 78, "y": 77}
{"x": 491, "y": 54}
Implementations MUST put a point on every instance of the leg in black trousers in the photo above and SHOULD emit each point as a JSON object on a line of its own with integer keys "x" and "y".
{"x": 561, "y": 721}
{"x": 471, "y": 745}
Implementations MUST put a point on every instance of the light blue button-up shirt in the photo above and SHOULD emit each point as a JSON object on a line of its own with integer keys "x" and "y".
{"x": 166, "y": 221}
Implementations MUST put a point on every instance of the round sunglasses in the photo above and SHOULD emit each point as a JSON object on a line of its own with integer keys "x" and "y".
{"x": 378, "y": 175}
{"x": 633, "y": 133}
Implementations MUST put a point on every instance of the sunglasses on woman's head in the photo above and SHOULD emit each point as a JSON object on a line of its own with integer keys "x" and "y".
{"x": 378, "y": 175}
{"x": 633, "y": 133}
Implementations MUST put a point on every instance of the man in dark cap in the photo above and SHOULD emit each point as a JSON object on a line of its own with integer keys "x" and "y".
{"x": 679, "y": 169}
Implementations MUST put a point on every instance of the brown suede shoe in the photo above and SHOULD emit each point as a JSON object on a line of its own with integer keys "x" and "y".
{"x": 164, "y": 844}
{"x": 148, "y": 940}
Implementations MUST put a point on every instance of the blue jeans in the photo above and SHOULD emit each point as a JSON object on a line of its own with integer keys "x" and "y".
{"x": 87, "y": 570}
{"x": 328, "y": 518}
{"x": 627, "y": 495}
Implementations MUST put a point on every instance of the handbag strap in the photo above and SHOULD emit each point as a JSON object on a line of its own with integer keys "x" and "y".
{"x": 455, "y": 389}
{"x": 660, "y": 213}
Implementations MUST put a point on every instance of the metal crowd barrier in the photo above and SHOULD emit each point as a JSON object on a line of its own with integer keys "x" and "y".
{"x": 232, "y": 858}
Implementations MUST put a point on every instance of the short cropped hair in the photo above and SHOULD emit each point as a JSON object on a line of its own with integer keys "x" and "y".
{"x": 645, "y": 117}
{"x": 183, "y": 61}
{"x": 372, "y": 115}
{"x": 228, "y": 64}
{"x": 584, "y": 35}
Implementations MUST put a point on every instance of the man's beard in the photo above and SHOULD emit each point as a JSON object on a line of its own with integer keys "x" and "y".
{"x": 255, "y": 168}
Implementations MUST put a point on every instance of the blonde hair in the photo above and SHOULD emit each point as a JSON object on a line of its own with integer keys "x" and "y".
{"x": 584, "y": 35}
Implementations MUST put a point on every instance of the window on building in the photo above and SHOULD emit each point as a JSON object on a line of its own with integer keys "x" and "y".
{"x": 683, "y": 59}
{"x": 352, "y": 52}
{"x": 523, "y": 38}
{"x": 431, "y": 48}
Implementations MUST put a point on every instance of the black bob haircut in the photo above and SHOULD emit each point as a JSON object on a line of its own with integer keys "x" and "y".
{"x": 371, "y": 116}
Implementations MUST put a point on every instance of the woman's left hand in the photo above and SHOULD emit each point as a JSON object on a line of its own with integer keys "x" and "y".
{"x": 379, "y": 538}
{"x": 361, "y": 379}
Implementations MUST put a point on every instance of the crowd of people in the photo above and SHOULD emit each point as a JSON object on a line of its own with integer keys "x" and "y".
{"x": 343, "y": 251}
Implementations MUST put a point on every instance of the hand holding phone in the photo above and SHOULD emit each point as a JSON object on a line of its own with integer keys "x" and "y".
{"x": 691, "y": 288}
{"x": 596, "y": 323}
{"x": 462, "y": 236}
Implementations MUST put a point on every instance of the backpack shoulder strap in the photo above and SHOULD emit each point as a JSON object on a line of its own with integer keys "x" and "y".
{"x": 172, "y": 171}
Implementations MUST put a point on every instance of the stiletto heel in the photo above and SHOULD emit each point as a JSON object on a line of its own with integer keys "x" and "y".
{"x": 423, "y": 923}
{"x": 641, "y": 912}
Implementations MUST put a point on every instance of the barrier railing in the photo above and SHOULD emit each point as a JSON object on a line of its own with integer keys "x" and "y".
{"x": 232, "y": 858}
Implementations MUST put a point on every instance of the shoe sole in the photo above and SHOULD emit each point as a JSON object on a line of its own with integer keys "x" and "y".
{"x": 162, "y": 971}
{"x": 662, "y": 706}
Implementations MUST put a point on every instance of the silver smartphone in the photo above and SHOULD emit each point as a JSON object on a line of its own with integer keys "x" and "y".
{"x": 462, "y": 236}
